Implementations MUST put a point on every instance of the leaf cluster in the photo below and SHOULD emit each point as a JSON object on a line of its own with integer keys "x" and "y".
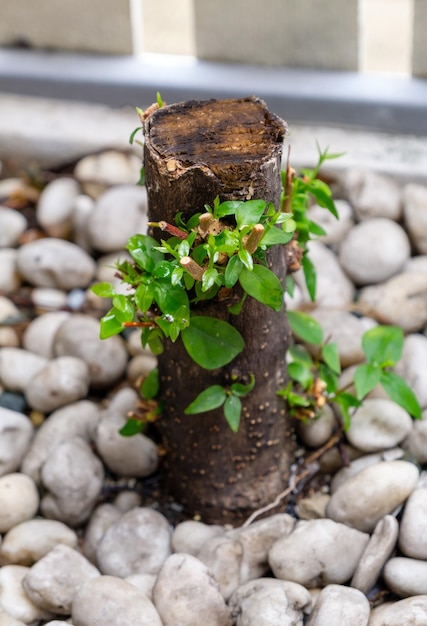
{"x": 315, "y": 381}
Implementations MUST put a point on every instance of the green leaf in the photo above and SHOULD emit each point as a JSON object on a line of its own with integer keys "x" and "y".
{"x": 305, "y": 327}
{"x": 110, "y": 325}
{"x": 309, "y": 275}
{"x": 103, "y": 290}
{"x": 246, "y": 259}
{"x": 346, "y": 401}
{"x": 131, "y": 428}
{"x": 159, "y": 100}
{"x": 301, "y": 374}
{"x": 144, "y": 295}
{"x": 142, "y": 250}
{"x": 235, "y": 309}
{"x": 209, "y": 399}
{"x": 249, "y": 213}
{"x": 227, "y": 208}
{"x": 211, "y": 342}
{"x": 322, "y": 193}
{"x": 315, "y": 229}
{"x": 329, "y": 377}
{"x": 290, "y": 285}
{"x": 209, "y": 278}
{"x": 172, "y": 299}
{"x": 150, "y": 385}
{"x": 400, "y": 393}
{"x": 299, "y": 354}
{"x": 238, "y": 389}
{"x": 154, "y": 341}
{"x": 330, "y": 355}
{"x": 383, "y": 345}
{"x": 275, "y": 236}
{"x": 232, "y": 412}
{"x": 141, "y": 180}
{"x": 366, "y": 377}
{"x": 133, "y": 133}
{"x": 123, "y": 304}
{"x": 263, "y": 285}
{"x": 163, "y": 269}
{"x": 232, "y": 271}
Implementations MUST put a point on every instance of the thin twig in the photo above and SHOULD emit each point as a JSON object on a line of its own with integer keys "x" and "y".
{"x": 310, "y": 469}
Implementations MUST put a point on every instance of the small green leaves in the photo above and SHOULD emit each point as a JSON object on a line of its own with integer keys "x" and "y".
{"x": 103, "y": 290}
{"x": 142, "y": 249}
{"x": 232, "y": 271}
{"x": 309, "y": 275}
{"x": 215, "y": 396}
{"x": 159, "y": 100}
{"x": 209, "y": 399}
{"x": 150, "y": 385}
{"x": 366, "y": 377}
{"x": 400, "y": 393}
{"x": 262, "y": 285}
{"x": 211, "y": 342}
{"x": 249, "y": 213}
{"x": 305, "y": 327}
{"x": 131, "y": 428}
{"x": 383, "y": 345}
{"x": 330, "y": 355}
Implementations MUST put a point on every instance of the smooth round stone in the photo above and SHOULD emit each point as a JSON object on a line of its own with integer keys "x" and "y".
{"x": 96, "y": 172}
{"x": 380, "y": 546}
{"x": 19, "y": 367}
{"x": 269, "y": 602}
{"x": 144, "y": 582}
{"x": 336, "y": 229}
{"x": 374, "y": 492}
{"x": 119, "y": 213}
{"x": 373, "y": 195}
{"x": 414, "y": 215}
{"x": 103, "y": 516}
{"x": 134, "y": 345}
{"x": 406, "y": 577}
{"x": 185, "y": 589}
{"x": 53, "y": 581}
{"x": 313, "y": 507}
{"x": 82, "y": 208}
{"x": 356, "y": 466}
{"x": 14, "y": 600}
{"x": 127, "y": 500}
{"x": 317, "y": 432}
{"x": 8, "y": 338}
{"x": 55, "y": 206}
{"x": 16, "y": 432}
{"x": 377, "y": 425}
{"x": 416, "y": 264}
{"x": 19, "y": 500}
{"x": 256, "y": 541}
{"x": 189, "y": 536}
{"x": 413, "y": 366}
{"x": 9, "y": 313}
{"x": 10, "y": 280}
{"x": 413, "y": 526}
{"x": 79, "y": 337}
{"x": 29, "y": 541}
{"x": 12, "y": 225}
{"x": 137, "y": 543}
{"x": 73, "y": 475}
{"x": 110, "y": 601}
{"x": 408, "y": 611}
{"x": 334, "y": 288}
{"x": 374, "y": 250}
{"x": 55, "y": 263}
{"x": 416, "y": 442}
{"x": 63, "y": 381}
{"x": 46, "y": 299}
{"x": 338, "y": 605}
{"x": 139, "y": 366}
{"x": 125, "y": 456}
{"x": 6, "y": 619}
{"x": 400, "y": 301}
{"x": 223, "y": 557}
{"x": 346, "y": 330}
{"x": 39, "y": 334}
{"x": 75, "y": 420}
{"x": 13, "y": 401}
{"x": 311, "y": 554}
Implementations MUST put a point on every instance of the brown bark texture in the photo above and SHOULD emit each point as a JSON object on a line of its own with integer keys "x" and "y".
{"x": 195, "y": 151}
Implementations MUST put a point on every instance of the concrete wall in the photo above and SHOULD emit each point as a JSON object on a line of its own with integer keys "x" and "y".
{"x": 80, "y": 25}
{"x": 296, "y": 33}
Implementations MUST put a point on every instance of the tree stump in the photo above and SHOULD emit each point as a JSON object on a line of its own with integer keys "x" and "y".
{"x": 195, "y": 151}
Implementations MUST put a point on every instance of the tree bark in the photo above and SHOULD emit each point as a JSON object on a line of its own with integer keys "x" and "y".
{"x": 195, "y": 151}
